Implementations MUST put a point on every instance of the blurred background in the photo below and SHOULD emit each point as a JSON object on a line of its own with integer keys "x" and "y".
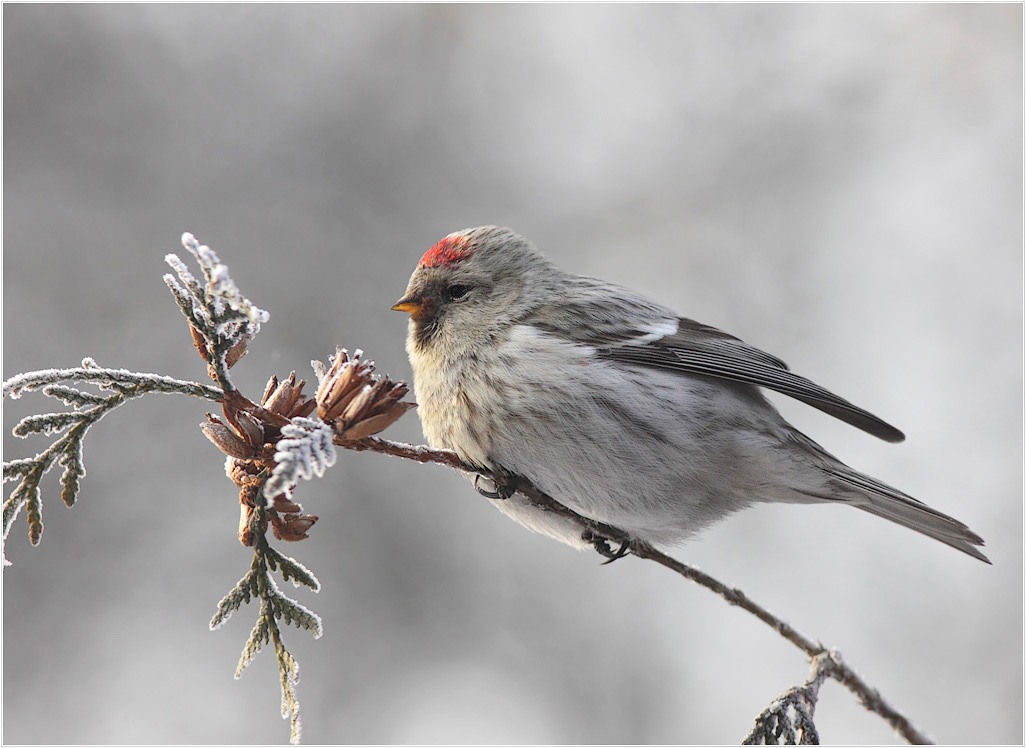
{"x": 840, "y": 185}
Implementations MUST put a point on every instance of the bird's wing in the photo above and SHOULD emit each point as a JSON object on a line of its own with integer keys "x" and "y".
{"x": 683, "y": 345}
{"x": 699, "y": 349}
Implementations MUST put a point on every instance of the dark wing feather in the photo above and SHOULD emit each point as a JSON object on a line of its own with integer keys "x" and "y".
{"x": 700, "y": 349}
{"x": 587, "y": 314}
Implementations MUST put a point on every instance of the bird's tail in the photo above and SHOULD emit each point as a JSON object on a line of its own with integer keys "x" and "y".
{"x": 878, "y": 498}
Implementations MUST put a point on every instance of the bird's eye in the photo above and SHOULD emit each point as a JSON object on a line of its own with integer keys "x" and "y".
{"x": 456, "y": 291}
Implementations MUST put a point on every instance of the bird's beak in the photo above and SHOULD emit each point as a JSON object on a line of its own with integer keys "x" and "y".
{"x": 409, "y": 304}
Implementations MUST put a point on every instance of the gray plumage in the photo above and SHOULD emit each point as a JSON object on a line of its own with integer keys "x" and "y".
{"x": 614, "y": 405}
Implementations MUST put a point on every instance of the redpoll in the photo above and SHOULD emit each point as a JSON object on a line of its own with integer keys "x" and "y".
{"x": 616, "y": 407}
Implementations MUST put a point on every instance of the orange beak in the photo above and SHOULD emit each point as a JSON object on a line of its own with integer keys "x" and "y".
{"x": 410, "y": 304}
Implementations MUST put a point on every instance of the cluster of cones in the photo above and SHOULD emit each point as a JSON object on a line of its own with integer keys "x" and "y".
{"x": 354, "y": 400}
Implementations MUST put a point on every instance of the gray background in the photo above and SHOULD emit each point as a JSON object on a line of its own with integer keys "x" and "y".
{"x": 839, "y": 185}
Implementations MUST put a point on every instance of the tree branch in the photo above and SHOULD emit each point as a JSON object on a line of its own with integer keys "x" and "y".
{"x": 272, "y": 445}
{"x": 826, "y": 663}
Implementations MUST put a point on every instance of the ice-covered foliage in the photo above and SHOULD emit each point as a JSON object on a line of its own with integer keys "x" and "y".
{"x": 305, "y": 451}
{"x": 223, "y": 321}
{"x": 71, "y": 426}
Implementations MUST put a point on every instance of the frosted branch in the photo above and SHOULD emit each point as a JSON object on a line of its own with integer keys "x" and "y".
{"x": 66, "y": 450}
{"x": 274, "y": 605}
{"x": 223, "y": 321}
{"x": 271, "y": 446}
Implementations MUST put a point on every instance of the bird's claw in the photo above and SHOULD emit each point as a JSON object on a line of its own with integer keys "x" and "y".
{"x": 503, "y": 486}
{"x": 601, "y": 545}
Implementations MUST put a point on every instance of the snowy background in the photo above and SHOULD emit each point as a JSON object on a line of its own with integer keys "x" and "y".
{"x": 839, "y": 185}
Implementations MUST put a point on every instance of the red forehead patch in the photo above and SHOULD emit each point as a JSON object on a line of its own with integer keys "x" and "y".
{"x": 447, "y": 252}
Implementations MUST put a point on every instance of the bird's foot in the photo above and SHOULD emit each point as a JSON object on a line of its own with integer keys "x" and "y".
{"x": 503, "y": 484}
{"x": 602, "y": 545}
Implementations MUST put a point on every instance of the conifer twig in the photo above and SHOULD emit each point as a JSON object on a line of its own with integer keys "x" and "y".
{"x": 66, "y": 450}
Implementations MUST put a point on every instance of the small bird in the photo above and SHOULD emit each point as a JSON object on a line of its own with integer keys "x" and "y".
{"x": 614, "y": 405}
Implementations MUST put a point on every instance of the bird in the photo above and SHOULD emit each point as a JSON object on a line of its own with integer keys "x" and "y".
{"x": 615, "y": 406}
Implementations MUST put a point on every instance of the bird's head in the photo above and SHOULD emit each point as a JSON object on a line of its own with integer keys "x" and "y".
{"x": 472, "y": 284}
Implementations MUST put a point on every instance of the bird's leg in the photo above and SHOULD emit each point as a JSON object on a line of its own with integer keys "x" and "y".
{"x": 504, "y": 484}
{"x": 601, "y": 545}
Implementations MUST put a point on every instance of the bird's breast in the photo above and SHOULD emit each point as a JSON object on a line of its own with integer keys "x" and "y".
{"x": 456, "y": 411}
{"x": 471, "y": 397}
